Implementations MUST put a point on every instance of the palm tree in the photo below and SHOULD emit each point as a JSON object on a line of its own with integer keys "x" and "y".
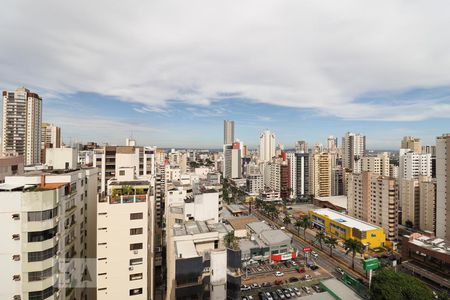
{"x": 354, "y": 246}
{"x": 331, "y": 242}
{"x": 230, "y": 240}
{"x": 286, "y": 220}
{"x": 320, "y": 237}
{"x": 305, "y": 224}
{"x": 298, "y": 224}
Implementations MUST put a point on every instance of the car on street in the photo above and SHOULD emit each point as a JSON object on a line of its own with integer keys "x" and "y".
{"x": 307, "y": 277}
{"x": 245, "y": 288}
{"x": 255, "y": 286}
{"x": 340, "y": 271}
{"x": 293, "y": 279}
{"x": 314, "y": 254}
{"x": 314, "y": 267}
{"x": 300, "y": 270}
{"x": 293, "y": 263}
{"x": 279, "y": 274}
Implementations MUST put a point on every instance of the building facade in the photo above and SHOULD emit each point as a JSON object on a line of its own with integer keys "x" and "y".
{"x": 353, "y": 149}
{"x": 266, "y": 146}
{"x": 443, "y": 186}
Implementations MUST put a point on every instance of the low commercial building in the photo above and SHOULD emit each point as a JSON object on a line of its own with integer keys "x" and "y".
{"x": 428, "y": 257}
{"x": 345, "y": 227}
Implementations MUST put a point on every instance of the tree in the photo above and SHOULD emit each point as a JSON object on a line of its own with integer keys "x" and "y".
{"x": 230, "y": 240}
{"x": 388, "y": 284}
{"x": 286, "y": 220}
{"x": 298, "y": 224}
{"x": 331, "y": 242}
{"x": 354, "y": 246}
{"x": 305, "y": 224}
{"x": 320, "y": 237}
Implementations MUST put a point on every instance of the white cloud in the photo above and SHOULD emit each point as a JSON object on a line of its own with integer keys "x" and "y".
{"x": 306, "y": 54}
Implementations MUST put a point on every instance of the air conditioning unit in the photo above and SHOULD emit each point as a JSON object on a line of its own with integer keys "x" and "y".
{"x": 16, "y": 237}
{"x": 16, "y": 257}
{"x": 130, "y": 269}
{"x": 135, "y": 252}
{"x": 16, "y": 277}
{"x": 16, "y": 297}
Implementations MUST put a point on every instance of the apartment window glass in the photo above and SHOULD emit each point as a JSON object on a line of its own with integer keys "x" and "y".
{"x": 36, "y": 216}
{"x": 39, "y": 236}
{"x": 42, "y": 255}
{"x": 136, "y": 276}
{"x": 136, "y": 216}
{"x": 135, "y": 231}
{"x": 136, "y": 261}
{"x": 136, "y": 246}
{"x": 41, "y": 295}
{"x": 40, "y": 275}
{"x": 134, "y": 292}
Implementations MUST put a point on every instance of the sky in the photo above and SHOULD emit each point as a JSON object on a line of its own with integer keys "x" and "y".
{"x": 169, "y": 72}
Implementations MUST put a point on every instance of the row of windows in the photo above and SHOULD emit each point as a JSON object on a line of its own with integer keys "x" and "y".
{"x": 136, "y": 246}
{"x": 136, "y": 216}
{"x": 41, "y": 295}
{"x": 42, "y": 255}
{"x": 40, "y": 275}
{"x": 39, "y": 236}
{"x": 136, "y": 231}
{"x": 35, "y": 216}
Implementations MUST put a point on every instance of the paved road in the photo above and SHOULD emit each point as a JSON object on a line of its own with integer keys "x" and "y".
{"x": 339, "y": 258}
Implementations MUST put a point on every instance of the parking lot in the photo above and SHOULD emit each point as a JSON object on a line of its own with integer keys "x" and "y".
{"x": 262, "y": 278}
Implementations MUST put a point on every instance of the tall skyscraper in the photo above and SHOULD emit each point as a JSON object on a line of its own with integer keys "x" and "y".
{"x": 320, "y": 177}
{"x": 332, "y": 143}
{"x": 22, "y": 119}
{"x": 228, "y": 132}
{"x": 302, "y": 174}
{"x": 412, "y": 143}
{"x": 301, "y": 147}
{"x": 232, "y": 164}
{"x": 443, "y": 186}
{"x": 377, "y": 164}
{"x": 354, "y": 147}
{"x": 51, "y": 138}
{"x": 266, "y": 146}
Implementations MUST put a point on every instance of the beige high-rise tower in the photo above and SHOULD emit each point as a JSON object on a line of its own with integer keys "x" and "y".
{"x": 22, "y": 120}
{"x": 443, "y": 186}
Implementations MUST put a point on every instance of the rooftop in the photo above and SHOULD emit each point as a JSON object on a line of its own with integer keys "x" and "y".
{"x": 239, "y": 223}
{"x": 345, "y": 219}
{"x": 340, "y": 289}
{"x": 275, "y": 236}
{"x": 258, "y": 227}
{"x": 432, "y": 243}
{"x": 185, "y": 249}
{"x": 197, "y": 227}
{"x": 340, "y": 201}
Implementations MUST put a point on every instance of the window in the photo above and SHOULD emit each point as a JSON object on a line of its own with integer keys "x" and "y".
{"x": 135, "y": 231}
{"x": 136, "y": 246}
{"x": 37, "y": 216}
{"x": 42, "y": 255}
{"x": 40, "y": 295}
{"x": 40, "y": 275}
{"x": 136, "y": 216}
{"x": 134, "y": 292}
{"x": 39, "y": 236}
{"x": 135, "y": 261}
{"x": 121, "y": 172}
{"x": 136, "y": 276}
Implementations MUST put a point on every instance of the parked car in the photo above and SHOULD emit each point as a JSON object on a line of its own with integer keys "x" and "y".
{"x": 275, "y": 296}
{"x": 287, "y": 293}
{"x": 307, "y": 289}
{"x": 300, "y": 270}
{"x": 280, "y": 294}
{"x": 293, "y": 263}
{"x": 279, "y": 274}
{"x": 317, "y": 288}
{"x": 286, "y": 264}
{"x": 297, "y": 291}
{"x": 291, "y": 291}
{"x": 293, "y": 279}
{"x": 314, "y": 254}
{"x": 314, "y": 267}
{"x": 340, "y": 271}
{"x": 255, "y": 286}
{"x": 245, "y": 287}
{"x": 307, "y": 277}
{"x": 269, "y": 296}
{"x": 266, "y": 284}
{"x": 262, "y": 296}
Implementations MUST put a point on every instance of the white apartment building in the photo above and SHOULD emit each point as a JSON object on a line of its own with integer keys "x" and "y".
{"x": 51, "y": 136}
{"x": 443, "y": 186}
{"x": 125, "y": 240}
{"x": 255, "y": 184}
{"x": 413, "y": 165}
{"x": 377, "y": 164}
{"x": 46, "y": 232}
{"x": 373, "y": 198}
{"x": 228, "y": 132}
{"x": 61, "y": 158}
{"x": 22, "y": 119}
{"x": 272, "y": 175}
{"x": 353, "y": 147}
{"x": 110, "y": 158}
{"x": 266, "y": 146}
{"x": 292, "y": 160}
{"x": 232, "y": 161}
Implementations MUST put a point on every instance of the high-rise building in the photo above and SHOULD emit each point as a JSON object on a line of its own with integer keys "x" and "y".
{"x": 374, "y": 198}
{"x": 255, "y": 184}
{"x": 409, "y": 193}
{"x": 301, "y": 147}
{"x": 332, "y": 144}
{"x": 266, "y": 146}
{"x": 110, "y": 158}
{"x": 337, "y": 181}
{"x": 377, "y": 164}
{"x": 411, "y": 143}
{"x": 427, "y": 205}
{"x": 51, "y": 135}
{"x": 413, "y": 165}
{"x": 228, "y": 132}
{"x": 302, "y": 170}
{"x": 22, "y": 119}
{"x": 292, "y": 161}
{"x": 125, "y": 240}
{"x": 47, "y": 231}
{"x": 320, "y": 177}
{"x": 443, "y": 186}
{"x": 272, "y": 175}
{"x": 232, "y": 163}
{"x": 354, "y": 148}
{"x": 285, "y": 180}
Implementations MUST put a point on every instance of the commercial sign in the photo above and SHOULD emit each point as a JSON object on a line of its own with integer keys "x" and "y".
{"x": 371, "y": 264}
{"x": 307, "y": 249}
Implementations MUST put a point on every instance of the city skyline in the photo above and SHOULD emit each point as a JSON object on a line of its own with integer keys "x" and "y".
{"x": 157, "y": 71}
